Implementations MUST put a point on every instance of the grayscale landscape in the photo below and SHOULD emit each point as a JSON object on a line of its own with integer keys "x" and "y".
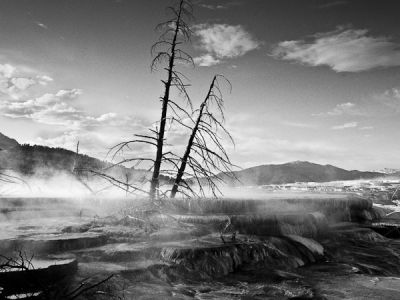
{"x": 199, "y": 149}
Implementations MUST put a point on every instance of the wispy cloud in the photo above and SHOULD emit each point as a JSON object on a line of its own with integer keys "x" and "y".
{"x": 333, "y": 4}
{"x": 366, "y": 128}
{"x": 213, "y": 6}
{"x": 343, "y": 50}
{"x": 40, "y": 24}
{"x": 220, "y": 6}
{"x": 52, "y": 109}
{"x": 44, "y": 79}
{"x": 222, "y": 41}
{"x": 92, "y": 142}
{"x": 96, "y": 133}
{"x": 345, "y": 126}
{"x": 393, "y": 93}
{"x": 88, "y": 141}
{"x": 255, "y": 145}
{"x": 15, "y": 81}
{"x": 206, "y": 60}
{"x": 58, "y": 109}
{"x": 391, "y": 99}
{"x": 253, "y": 150}
{"x": 298, "y": 124}
{"x": 384, "y": 104}
{"x": 12, "y": 84}
{"x": 347, "y": 108}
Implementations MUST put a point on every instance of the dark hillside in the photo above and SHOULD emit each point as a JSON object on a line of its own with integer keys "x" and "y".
{"x": 7, "y": 143}
{"x": 299, "y": 171}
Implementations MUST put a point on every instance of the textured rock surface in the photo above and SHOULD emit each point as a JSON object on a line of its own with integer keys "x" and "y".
{"x": 36, "y": 274}
{"x": 52, "y": 243}
{"x": 179, "y": 254}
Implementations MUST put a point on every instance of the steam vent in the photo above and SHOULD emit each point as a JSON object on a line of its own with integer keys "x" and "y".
{"x": 188, "y": 247}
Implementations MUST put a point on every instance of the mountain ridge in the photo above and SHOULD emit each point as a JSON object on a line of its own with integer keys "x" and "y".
{"x": 29, "y": 158}
{"x": 7, "y": 142}
{"x": 44, "y": 161}
{"x": 298, "y": 171}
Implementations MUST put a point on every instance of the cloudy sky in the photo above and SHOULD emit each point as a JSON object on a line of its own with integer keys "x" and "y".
{"x": 312, "y": 80}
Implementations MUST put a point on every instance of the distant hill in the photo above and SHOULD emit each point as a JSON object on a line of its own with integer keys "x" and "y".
{"x": 7, "y": 143}
{"x": 299, "y": 171}
{"x": 28, "y": 159}
{"x": 390, "y": 171}
{"x": 46, "y": 161}
{"x": 31, "y": 159}
{"x": 394, "y": 174}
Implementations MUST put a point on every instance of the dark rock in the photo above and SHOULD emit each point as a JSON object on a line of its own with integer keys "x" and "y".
{"x": 38, "y": 274}
{"x": 53, "y": 243}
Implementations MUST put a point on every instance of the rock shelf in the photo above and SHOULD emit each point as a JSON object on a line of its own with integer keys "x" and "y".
{"x": 204, "y": 239}
{"x": 37, "y": 274}
{"x": 52, "y": 243}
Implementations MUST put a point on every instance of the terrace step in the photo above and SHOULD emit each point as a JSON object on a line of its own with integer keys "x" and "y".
{"x": 52, "y": 243}
{"x": 120, "y": 252}
{"x": 205, "y": 257}
{"x": 389, "y": 228}
{"x": 35, "y": 273}
{"x": 325, "y": 203}
{"x": 280, "y": 224}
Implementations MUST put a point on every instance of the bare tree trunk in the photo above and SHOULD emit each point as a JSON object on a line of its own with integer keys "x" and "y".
{"x": 189, "y": 146}
{"x": 77, "y": 169}
{"x": 154, "y": 184}
{"x": 167, "y": 52}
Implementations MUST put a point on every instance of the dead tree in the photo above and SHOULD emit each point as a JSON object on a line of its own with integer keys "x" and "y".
{"x": 7, "y": 178}
{"x": 176, "y": 31}
{"x": 167, "y": 50}
{"x": 205, "y": 155}
{"x": 52, "y": 287}
{"x": 11, "y": 179}
{"x": 77, "y": 170}
{"x": 127, "y": 177}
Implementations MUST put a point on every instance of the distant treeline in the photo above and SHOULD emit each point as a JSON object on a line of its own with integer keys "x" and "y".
{"x": 28, "y": 159}
{"x": 46, "y": 161}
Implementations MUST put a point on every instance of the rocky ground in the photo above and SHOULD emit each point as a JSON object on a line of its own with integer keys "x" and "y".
{"x": 312, "y": 248}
